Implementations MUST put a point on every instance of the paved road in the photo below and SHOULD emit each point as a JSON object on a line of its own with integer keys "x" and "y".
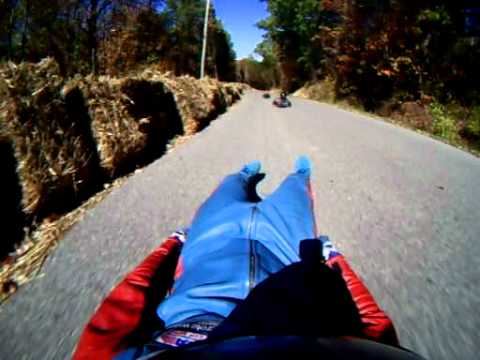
{"x": 404, "y": 208}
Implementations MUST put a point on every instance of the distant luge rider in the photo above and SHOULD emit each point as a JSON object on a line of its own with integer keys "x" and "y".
{"x": 250, "y": 279}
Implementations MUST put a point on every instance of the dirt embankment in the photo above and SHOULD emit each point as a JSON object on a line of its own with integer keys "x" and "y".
{"x": 62, "y": 140}
{"x": 411, "y": 113}
{"x": 453, "y": 124}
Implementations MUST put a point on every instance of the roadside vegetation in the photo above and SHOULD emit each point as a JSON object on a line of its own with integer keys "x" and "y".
{"x": 65, "y": 139}
{"x": 113, "y": 37}
{"x": 263, "y": 74}
{"x": 416, "y": 63}
{"x": 90, "y": 91}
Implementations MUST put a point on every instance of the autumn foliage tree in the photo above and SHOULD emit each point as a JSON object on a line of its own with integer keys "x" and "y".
{"x": 114, "y": 36}
{"x": 376, "y": 49}
{"x": 263, "y": 73}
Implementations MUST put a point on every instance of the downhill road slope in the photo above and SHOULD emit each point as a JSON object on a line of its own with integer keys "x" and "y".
{"x": 402, "y": 207}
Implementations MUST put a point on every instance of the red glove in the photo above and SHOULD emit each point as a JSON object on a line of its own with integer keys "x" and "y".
{"x": 126, "y": 311}
{"x": 378, "y": 326}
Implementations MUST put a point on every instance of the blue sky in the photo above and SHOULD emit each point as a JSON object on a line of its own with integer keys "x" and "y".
{"x": 239, "y": 18}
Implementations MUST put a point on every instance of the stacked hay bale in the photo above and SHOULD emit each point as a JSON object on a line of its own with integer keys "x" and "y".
{"x": 216, "y": 96}
{"x": 61, "y": 140}
{"x": 198, "y": 101}
{"x": 13, "y": 219}
{"x": 222, "y": 95}
{"x": 52, "y": 144}
{"x": 132, "y": 121}
{"x": 10, "y": 204}
{"x": 233, "y": 91}
{"x": 191, "y": 99}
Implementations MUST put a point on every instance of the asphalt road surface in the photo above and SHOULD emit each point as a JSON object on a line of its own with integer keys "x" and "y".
{"x": 405, "y": 209}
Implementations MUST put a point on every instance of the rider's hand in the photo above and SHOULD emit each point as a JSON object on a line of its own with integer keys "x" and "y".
{"x": 329, "y": 251}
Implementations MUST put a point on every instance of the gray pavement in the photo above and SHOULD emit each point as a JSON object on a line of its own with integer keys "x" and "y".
{"x": 405, "y": 209}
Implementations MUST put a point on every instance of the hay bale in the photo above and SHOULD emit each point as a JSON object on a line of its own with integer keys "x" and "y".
{"x": 198, "y": 101}
{"x": 192, "y": 101}
{"x": 13, "y": 219}
{"x": 52, "y": 144}
{"x": 132, "y": 121}
{"x": 216, "y": 97}
{"x": 233, "y": 92}
{"x": 64, "y": 132}
{"x": 153, "y": 106}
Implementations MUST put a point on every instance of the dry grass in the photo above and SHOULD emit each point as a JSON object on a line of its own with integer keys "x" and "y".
{"x": 52, "y": 145}
{"x": 191, "y": 99}
{"x": 414, "y": 115}
{"x": 25, "y": 264}
{"x": 323, "y": 91}
{"x": 132, "y": 120}
{"x": 64, "y": 139}
{"x": 198, "y": 101}
{"x": 116, "y": 135}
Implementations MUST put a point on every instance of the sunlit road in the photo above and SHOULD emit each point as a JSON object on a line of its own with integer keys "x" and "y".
{"x": 405, "y": 209}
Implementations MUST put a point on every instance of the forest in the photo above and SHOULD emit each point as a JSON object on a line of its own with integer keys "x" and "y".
{"x": 91, "y": 91}
{"x": 384, "y": 56}
{"x": 114, "y": 37}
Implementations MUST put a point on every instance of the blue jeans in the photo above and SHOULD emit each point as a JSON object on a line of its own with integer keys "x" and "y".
{"x": 234, "y": 243}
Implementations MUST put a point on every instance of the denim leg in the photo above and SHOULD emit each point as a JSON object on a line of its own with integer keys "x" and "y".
{"x": 292, "y": 203}
{"x": 238, "y": 187}
{"x": 232, "y": 189}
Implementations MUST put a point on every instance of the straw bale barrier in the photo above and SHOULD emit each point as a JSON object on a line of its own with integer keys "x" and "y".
{"x": 62, "y": 139}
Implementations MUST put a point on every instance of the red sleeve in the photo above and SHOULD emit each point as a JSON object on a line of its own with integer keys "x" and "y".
{"x": 120, "y": 315}
{"x": 378, "y": 326}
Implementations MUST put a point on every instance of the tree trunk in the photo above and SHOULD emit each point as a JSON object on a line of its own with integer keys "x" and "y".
{"x": 24, "y": 30}
{"x": 11, "y": 25}
{"x": 92, "y": 22}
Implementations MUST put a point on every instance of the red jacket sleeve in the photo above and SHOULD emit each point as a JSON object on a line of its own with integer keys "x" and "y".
{"x": 378, "y": 326}
{"x": 120, "y": 315}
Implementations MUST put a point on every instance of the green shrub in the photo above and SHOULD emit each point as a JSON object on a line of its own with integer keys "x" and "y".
{"x": 444, "y": 125}
{"x": 473, "y": 125}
